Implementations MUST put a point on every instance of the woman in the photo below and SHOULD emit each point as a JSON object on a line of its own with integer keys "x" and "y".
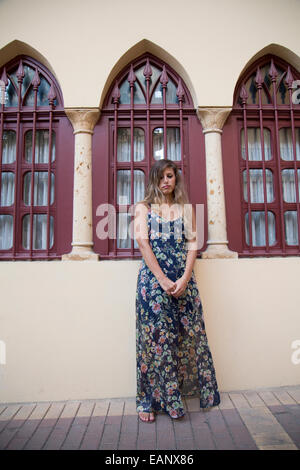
{"x": 173, "y": 357}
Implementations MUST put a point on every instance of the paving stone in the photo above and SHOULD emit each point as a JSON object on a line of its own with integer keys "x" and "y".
{"x": 269, "y": 398}
{"x": 252, "y": 419}
{"x": 279, "y": 447}
{"x": 226, "y": 403}
{"x": 45, "y": 427}
{"x": 61, "y": 428}
{"x": 94, "y": 431}
{"x": 253, "y": 399}
{"x": 192, "y": 404}
{"x": 30, "y": 425}
{"x": 294, "y": 392}
{"x": 274, "y": 438}
{"x": 202, "y": 434}
{"x": 284, "y": 397}
{"x": 165, "y": 433}
{"x": 238, "y": 431}
{"x": 264, "y": 427}
{"x": 220, "y": 432}
{"x": 112, "y": 425}
{"x": 7, "y": 414}
{"x": 78, "y": 427}
{"x": 146, "y": 435}
{"x": 239, "y": 400}
{"x": 289, "y": 418}
{"x": 15, "y": 424}
{"x": 130, "y": 407}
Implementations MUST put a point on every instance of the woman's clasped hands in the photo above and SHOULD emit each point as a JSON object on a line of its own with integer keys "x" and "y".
{"x": 174, "y": 288}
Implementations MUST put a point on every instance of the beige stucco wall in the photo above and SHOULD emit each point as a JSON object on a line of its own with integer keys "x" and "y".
{"x": 209, "y": 43}
{"x": 69, "y": 327}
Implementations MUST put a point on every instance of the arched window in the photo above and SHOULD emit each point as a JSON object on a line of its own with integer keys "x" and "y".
{"x": 262, "y": 161}
{"x": 147, "y": 115}
{"x": 31, "y": 114}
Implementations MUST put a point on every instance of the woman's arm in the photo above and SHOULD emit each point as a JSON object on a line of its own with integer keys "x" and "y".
{"x": 141, "y": 235}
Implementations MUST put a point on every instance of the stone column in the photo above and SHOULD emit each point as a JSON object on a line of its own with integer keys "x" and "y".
{"x": 212, "y": 120}
{"x": 83, "y": 122}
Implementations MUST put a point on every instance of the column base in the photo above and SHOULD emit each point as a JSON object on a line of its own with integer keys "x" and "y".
{"x": 218, "y": 251}
{"x": 80, "y": 254}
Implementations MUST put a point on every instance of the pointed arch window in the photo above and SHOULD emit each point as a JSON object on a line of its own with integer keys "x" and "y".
{"x": 150, "y": 116}
{"x": 266, "y": 119}
{"x": 30, "y": 114}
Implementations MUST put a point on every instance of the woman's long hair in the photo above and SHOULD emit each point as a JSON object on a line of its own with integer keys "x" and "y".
{"x": 154, "y": 195}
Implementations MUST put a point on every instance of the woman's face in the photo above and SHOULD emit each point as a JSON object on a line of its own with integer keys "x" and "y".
{"x": 167, "y": 181}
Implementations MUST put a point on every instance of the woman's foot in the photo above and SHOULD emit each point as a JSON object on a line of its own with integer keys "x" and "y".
{"x": 174, "y": 415}
{"x": 146, "y": 417}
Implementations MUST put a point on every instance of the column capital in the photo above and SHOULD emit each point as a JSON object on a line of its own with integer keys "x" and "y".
{"x": 213, "y": 119}
{"x": 83, "y": 120}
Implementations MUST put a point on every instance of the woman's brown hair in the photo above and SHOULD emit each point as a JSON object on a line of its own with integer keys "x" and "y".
{"x": 154, "y": 195}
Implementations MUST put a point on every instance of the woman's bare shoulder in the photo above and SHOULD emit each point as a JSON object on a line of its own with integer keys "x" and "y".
{"x": 142, "y": 207}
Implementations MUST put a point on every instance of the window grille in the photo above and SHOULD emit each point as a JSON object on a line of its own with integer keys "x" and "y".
{"x": 28, "y": 161}
{"x": 148, "y": 110}
{"x": 268, "y": 127}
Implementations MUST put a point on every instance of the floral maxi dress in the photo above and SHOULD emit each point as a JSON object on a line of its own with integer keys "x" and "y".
{"x": 173, "y": 356}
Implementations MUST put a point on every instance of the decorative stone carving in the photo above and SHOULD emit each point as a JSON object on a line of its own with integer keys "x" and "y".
{"x": 213, "y": 119}
{"x": 83, "y": 120}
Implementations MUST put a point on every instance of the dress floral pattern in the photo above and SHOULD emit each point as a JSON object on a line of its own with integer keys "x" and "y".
{"x": 173, "y": 356}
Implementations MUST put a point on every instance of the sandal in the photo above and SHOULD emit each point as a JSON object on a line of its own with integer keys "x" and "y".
{"x": 148, "y": 418}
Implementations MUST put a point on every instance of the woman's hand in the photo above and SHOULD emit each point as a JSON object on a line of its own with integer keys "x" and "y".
{"x": 167, "y": 285}
{"x": 181, "y": 285}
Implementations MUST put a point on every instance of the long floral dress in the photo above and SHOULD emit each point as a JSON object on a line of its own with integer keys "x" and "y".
{"x": 173, "y": 356}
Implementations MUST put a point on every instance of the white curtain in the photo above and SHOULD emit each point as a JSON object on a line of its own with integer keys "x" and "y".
{"x": 7, "y": 188}
{"x": 41, "y": 146}
{"x": 40, "y": 188}
{"x": 254, "y": 144}
{"x": 173, "y": 143}
{"x": 257, "y": 186}
{"x": 291, "y": 227}
{"x": 39, "y": 232}
{"x": 289, "y": 185}
{"x": 259, "y": 229}
{"x": 286, "y": 143}
{"x": 124, "y": 197}
{"x": 8, "y": 147}
{"x": 124, "y": 145}
{"x": 124, "y": 179}
{"x": 6, "y": 232}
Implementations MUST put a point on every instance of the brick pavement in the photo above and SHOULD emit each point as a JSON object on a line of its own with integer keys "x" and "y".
{"x": 244, "y": 420}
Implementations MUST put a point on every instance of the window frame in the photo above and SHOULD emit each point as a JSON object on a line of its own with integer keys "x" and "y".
{"x": 103, "y": 145}
{"x": 234, "y": 165}
{"x": 22, "y": 119}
